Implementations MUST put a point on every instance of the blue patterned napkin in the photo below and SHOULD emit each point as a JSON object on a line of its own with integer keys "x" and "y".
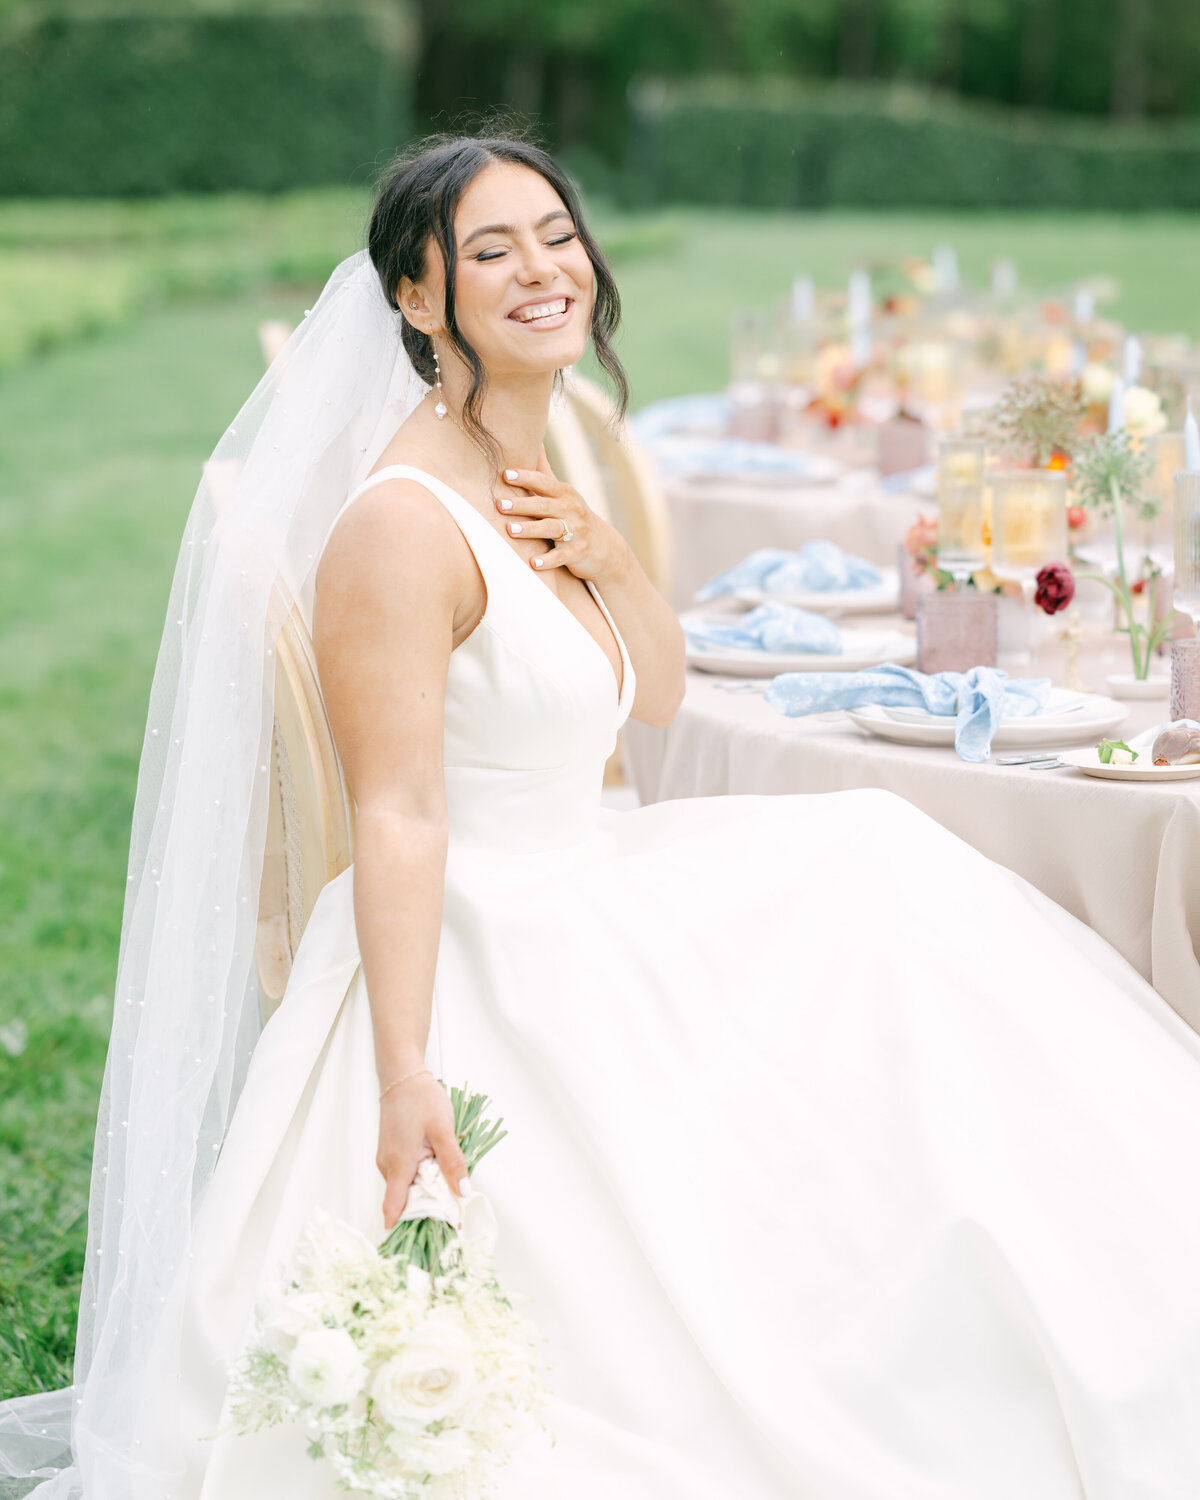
{"x": 977, "y": 699}
{"x": 818, "y": 567}
{"x": 770, "y": 627}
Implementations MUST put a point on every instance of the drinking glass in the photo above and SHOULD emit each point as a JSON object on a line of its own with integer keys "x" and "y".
{"x": 754, "y": 375}
{"x": 1187, "y": 542}
{"x": 1097, "y": 543}
{"x": 1029, "y": 522}
{"x": 748, "y": 343}
{"x": 1156, "y": 534}
{"x": 961, "y": 549}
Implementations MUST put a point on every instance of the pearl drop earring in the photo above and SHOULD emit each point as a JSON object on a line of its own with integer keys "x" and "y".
{"x": 440, "y": 409}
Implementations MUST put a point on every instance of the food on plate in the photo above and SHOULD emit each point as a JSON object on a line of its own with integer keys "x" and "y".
{"x": 1115, "y": 753}
{"x": 1177, "y": 745}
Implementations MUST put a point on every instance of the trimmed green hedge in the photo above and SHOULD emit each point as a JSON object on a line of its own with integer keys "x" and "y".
{"x": 776, "y": 145}
{"x": 121, "y": 105}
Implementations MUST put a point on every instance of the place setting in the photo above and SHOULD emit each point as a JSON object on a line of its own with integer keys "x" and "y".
{"x": 776, "y": 610}
{"x": 1168, "y": 752}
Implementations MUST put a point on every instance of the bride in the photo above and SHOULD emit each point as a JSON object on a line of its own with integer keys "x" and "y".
{"x": 842, "y": 1164}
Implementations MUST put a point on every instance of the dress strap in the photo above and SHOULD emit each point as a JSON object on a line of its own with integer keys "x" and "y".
{"x": 462, "y": 512}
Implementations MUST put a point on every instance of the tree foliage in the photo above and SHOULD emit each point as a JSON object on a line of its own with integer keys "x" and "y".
{"x": 1125, "y": 57}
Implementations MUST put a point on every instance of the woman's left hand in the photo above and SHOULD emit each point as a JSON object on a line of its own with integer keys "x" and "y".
{"x": 546, "y": 507}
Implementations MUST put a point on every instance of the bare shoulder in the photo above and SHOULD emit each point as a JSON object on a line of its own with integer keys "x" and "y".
{"x": 395, "y": 540}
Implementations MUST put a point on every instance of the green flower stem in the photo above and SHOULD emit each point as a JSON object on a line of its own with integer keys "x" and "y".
{"x": 423, "y": 1241}
{"x": 1140, "y": 667}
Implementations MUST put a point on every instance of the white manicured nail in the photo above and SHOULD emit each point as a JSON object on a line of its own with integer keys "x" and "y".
{"x": 464, "y": 1187}
{"x": 506, "y": 505}
{"x": 515, "y": 528}
{"x": 510, "y": 473}
{"x": 537, "y": 562}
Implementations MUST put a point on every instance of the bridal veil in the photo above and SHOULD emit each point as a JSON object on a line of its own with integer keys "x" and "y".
{"x": 187, "y": 1005}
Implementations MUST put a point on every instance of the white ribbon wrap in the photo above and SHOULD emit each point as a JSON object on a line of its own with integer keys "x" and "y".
{"x": 431, "y": 1197}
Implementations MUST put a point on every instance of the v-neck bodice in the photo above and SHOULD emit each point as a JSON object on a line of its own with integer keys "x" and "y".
{"x": 532, "y": 703}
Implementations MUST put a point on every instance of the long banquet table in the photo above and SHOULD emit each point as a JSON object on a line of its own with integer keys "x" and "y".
{"x": 1121, "y": 857}
{"x": 717, "y": 522}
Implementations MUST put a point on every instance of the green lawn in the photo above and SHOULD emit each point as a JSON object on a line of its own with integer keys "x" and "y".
{"x": 100, "y": 444}
{"x": 99, "y": 452}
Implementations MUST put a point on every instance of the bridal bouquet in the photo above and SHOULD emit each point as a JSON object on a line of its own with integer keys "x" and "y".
{"x": 405, "y": 1365}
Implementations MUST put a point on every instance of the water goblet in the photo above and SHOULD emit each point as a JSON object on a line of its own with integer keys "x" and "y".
{"x": 1029, "y": 521}
{"x": 961, "y": 549}
{"x": 1187, "y": 542}
{"x": 1029, "y": 530}
{"x": 1156, "y": 533}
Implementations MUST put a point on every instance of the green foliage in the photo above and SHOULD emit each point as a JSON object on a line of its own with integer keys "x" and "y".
{"x": 100, "y": 448}
{"x": 1037, "y": 417}
{"x": 69, "y": 269}
{"x": 776, "y": 145}
{"x": 117, "y": 104}
{"x": 1110, "y": 473}
{"x": 571, "y": 62}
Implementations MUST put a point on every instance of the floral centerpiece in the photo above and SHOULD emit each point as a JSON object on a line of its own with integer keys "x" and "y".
{"x": 1144, "y": 411}
{"x": 837, "y": 384}
{"x": 404, "y": 1365}
{"x": 1055, "y": 583}
{"x": 1038, "y": 420}
{"x": 1108, "y": 477}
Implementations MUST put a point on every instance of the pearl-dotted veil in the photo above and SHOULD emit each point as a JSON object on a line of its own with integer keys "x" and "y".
{"x": 186, "y": 1010}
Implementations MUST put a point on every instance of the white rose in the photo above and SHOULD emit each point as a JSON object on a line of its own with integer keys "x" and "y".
{"x": 1144, "y": 414}
{"x": 430, "y": 1375}
{"x": 329, "y": 1247}
{"x": 1097, "y": 383}
{"x": 326, "y": 1367}
{"x": 283, "y": 1315}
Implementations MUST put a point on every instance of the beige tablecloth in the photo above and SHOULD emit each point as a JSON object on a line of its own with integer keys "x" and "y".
{"x": 1122, "y": 857}
{"x": 717, "y": 522}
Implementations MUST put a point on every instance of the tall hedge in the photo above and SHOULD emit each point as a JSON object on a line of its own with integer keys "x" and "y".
{"x": 129, "y": 104}
{"x": 782, "y": 146}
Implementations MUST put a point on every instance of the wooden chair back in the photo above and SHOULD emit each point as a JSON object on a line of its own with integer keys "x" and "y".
{"x": 636, "y": 504}
{"x": 572, "y": 457}
{"x": 310, "y": 817}
{"x": 273, "y": 333}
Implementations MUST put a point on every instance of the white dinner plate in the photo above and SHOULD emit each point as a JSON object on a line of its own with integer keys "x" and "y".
{"x": 1061, "y": 707}
{"x": 1088, "y": 760}
{"x": 1095, "y": 720}
{"x": 877, "y": 599}
{"x": 860, "y": 648}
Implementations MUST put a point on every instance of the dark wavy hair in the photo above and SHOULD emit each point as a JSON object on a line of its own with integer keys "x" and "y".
{"x": 417, "y": 197}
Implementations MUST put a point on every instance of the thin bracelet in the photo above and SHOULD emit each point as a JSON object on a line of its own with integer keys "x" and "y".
{"x": 396, "y": 1082}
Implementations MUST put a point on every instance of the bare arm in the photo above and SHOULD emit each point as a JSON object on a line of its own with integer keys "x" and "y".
{"x": 597, "y": 551}
{"x": 389, "y": 587}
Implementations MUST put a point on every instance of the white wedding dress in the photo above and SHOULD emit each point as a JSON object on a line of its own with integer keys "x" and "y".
{"x": 842, "y": 1164}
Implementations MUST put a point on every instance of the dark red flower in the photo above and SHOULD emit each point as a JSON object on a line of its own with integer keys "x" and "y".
{"x": 1055, "y": 588}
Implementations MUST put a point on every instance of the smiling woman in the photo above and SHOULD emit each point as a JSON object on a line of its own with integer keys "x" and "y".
{"x": 799, "y": 1212}
{"x": 419, "y": 202}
